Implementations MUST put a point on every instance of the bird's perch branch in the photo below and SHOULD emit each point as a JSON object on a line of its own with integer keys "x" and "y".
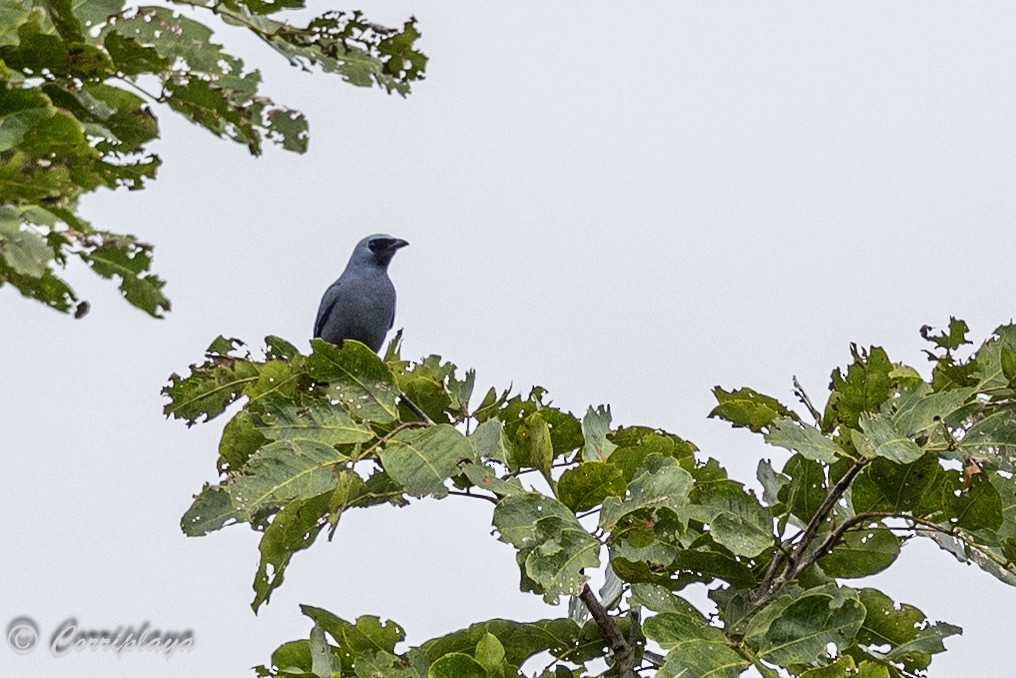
{"x": 624, "y": 652}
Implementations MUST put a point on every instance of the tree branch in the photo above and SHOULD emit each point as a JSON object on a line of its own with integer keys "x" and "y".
{"x": 624, "y": 652}
{"x": 770, "y": 584}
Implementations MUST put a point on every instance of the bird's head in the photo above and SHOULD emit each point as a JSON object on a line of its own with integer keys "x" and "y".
{"x": 378, "y": 249}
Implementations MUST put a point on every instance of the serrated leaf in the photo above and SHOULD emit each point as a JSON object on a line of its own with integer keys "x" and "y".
{"x": 209, "y": 389}
{"x": 950, "y": 339}
{"x": 421, "y": 460}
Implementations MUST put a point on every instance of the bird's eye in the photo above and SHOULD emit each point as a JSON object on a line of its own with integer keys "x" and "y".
{"x": 379, "y": 244}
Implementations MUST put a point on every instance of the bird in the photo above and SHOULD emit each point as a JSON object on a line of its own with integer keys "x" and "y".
{"x": 360, "y": 304}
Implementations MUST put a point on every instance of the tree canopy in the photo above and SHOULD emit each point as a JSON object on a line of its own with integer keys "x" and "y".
{"x": 891, "y": 457}
{"x": 78, "y": 81}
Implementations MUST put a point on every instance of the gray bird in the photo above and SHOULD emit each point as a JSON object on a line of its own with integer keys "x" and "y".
{"x": 360, "y": 305}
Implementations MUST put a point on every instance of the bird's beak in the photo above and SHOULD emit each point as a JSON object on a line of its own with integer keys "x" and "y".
{"x": 398, "y": 243}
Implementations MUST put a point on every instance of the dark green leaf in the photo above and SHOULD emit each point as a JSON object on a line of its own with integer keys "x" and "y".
{"x": 588, "y": 484}
{"x": 863, "y": 389}
{"x": 861, "y": 553}
{"x": 747, "y": 408}
{"x": 885, "y": 486}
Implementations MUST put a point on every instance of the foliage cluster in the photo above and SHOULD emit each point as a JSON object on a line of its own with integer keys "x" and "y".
{"x": 890, "y": 458}
{"x": 77, "y": 80}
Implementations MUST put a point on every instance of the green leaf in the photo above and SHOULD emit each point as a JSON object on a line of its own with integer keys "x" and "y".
{"x": 212, "y": 510}
{"x": 904, "y": 629}
{"x": 532, "y": 446}
{"x": 864, "y": 388}
{"x": 919, "y": 409}
{"x": 695, "y": 647}
{"x": 24, "y": 252}
{"x": 209, "y": 389}
{"x": 457, "y": 665}
{"x": 796, "y": 627}
{"x": 483, "y": 477}
{"x": 323, "y": 663}
{"x": 736, "y": 519}
{"x": 881, "y": 438}
{"x": 491, "y": 656}
{"x": 421, "y": 460}
{"x": 843, "y": 667}
{"x": 595, "y": 427}
{"x": 950, "y": 339}
{"x": 240, "y": 439}
{"x": 318, "y": 421}
{"x": 357, "y": 378}
{"x": 747, "y": 408}
{"x": 553, "y": 546}
{"x": 993, "y": 437}
{"x": 771, "y": 481}
{"x": 588, "y": 484}
{"x": 806, "y": 440}
{"x": 490, "y": 441}
{"x": 520, "y": 640}
{"x": 369, "y": 635}
{"x": 885, "y": 486}
{"x": 293, "y": 529}
{"x": 807, "y": 489}
{"x": 283, "y": 471}
{"x": 979, "y": 506}
{"x": 661, "y": 483}
{"x": 861, "y": 553}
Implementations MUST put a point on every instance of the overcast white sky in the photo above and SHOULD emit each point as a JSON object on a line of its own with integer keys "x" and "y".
{"x": 627, "y": 204}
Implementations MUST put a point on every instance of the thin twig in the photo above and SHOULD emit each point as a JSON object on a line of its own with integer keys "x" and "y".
{"x": 806, "y": 401}
{"x": 416, "y": 409}
{"x": 492, "y": 500}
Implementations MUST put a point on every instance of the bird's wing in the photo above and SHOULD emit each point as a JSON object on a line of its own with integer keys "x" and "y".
{"x": 325, "y": 309}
